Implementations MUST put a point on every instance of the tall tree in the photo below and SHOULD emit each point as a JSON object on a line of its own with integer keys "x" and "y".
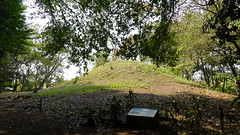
{"x": 13, "y": 39}
{"x": 225, "y": 22}
{"x": 214, "y": 58}
{"x": 13, "y": 29}
{"x": 193, "y": 44}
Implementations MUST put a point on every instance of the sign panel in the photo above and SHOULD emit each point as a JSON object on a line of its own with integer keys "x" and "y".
{"x": 143, "y": 112}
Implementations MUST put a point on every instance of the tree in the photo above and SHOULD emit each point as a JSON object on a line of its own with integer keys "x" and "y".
{"x": 89, "y": 27}
{"x": 225, "y": 24}
{"x": 46, "y": 70}
{"x": 13, "y": 30}
{"x": 85, "y": 28}
{"x": 37, "y": 70}
{"x": 216, "y": 53}
{"x": 6, "y": 72}
{"x": 193, "y": 44}
{"x": 13, "y": 40}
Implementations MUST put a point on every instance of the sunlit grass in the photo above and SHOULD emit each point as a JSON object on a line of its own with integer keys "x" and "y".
{"x": 123, "y": 86}
{"x": 88, "y": 89}
{"x": 118, "y": 75}
{"x": 188, "y": 82}
{"x": 71, "y": 89}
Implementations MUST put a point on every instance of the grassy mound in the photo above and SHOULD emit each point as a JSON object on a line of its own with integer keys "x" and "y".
{"x": 117, "y": 75}
{"x": 93, "y": 100}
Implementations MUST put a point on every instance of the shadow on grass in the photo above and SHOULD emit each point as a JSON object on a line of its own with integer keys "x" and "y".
{"x": 187, "y": 113}
{"x": 179, "y": 114}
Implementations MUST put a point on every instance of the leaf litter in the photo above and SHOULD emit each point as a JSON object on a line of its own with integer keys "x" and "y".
{"x": 183, "y": 109}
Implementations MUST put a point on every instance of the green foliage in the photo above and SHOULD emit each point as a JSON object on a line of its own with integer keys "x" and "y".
{"x": 161, "y": 46}
{"x": 194, "y": 113}
{"x": 203, "y": 57}
{"x": 170, "y": 108}
{"x": 190, "y": 53}
{"x": 39, "y": 71}
{"x": 236, "y": 101}
{"x": 13, "y": 30}
{"x": 130, "y": 99}
{"x": 189, "y": 82}
{"x": 23, "y": 66}
{"x": 168, "y": 113}
{"x": 75, "y": 80}
{"x": 89, "y": 109}
{"x": 226, "y": 32}
{"x": 13, "y": 40}
{"x": 154, "y": 70}
{"x": 101, "y": 113}
{"x": 101, "y": 60}
{"x": 84, "y": 29}
{"x": 68, "y": 90}
{"x": 115, "y": 105}
{"x": 152, "y": 104}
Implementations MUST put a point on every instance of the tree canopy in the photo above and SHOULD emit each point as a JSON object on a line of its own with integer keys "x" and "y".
{"x": 198, "y": 36}
{"x": 13, "y": 40}
{"x": 90, "y": 27}
{"x": 225, "y": 23}
{"x": 23, "y": 66}
{"x": 86, "y": 28}
{"x": 13, "y": 30}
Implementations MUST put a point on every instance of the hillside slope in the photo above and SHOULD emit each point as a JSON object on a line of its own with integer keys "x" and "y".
{"x": 84, "y": 105}
{"x": 153, "y": 88}
{"x": 137, "y": 76}
{"x": 125, "y": 74}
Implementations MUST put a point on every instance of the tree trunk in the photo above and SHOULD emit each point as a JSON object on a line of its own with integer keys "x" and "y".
{"x": 215, "y": 85}
{"x": 23, "y": 83}
{"x": 1, "y": 86}
{"x": 206, "y": 76}
{"x": 224, "y": 84}
{"x": 15, "y": 85}
{"x": 236, "y": 78}
{"x": 237, "y": 81}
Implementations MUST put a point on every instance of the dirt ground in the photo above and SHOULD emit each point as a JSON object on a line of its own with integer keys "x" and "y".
{"x": 21, "y": 113}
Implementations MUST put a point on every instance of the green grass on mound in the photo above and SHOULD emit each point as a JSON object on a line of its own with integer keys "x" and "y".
{"x": 71, "y": 89}
{"x": 117, "y": 75}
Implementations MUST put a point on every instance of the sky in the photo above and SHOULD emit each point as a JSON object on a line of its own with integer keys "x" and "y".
{"x": 69, "y": 73}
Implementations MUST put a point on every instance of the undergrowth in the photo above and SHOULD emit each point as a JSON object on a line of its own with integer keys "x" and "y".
{"x": 190, "y": 116}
